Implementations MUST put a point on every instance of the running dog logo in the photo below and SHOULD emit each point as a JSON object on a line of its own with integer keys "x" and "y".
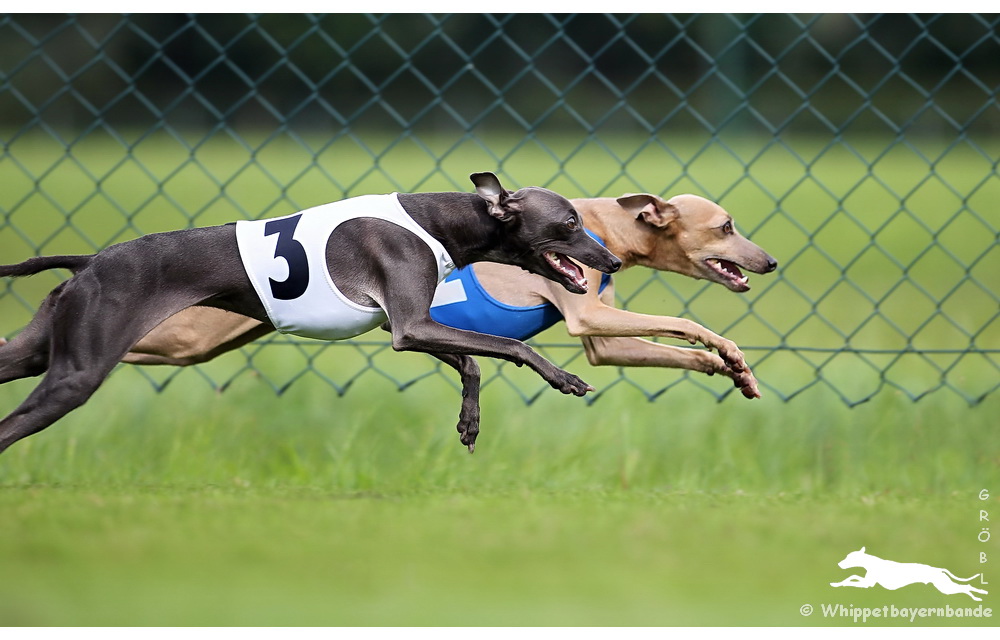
{"x": 893, "y": 575}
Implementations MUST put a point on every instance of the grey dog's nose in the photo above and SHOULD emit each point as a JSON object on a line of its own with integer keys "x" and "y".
{"x": 616, "y": 263}
{"x": 772, "y": 264}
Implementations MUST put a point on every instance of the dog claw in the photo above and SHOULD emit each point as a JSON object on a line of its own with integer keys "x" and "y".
{"x": 580, "y": 391}
{"x": 748, "y": 387}
{"x": 467, "y": 435}
{"x": 570, "y": 384}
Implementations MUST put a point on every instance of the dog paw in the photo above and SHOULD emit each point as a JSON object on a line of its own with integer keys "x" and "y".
{"x": 731, "y": 355}
{"x": 747, "y": 384}
{"x": 570, "y": 384}
{"x": 743, "y": 380}
{"x": 468, "y": 431}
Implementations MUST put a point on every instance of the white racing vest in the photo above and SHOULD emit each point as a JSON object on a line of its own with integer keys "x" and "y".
{"x": 285, "y": 259}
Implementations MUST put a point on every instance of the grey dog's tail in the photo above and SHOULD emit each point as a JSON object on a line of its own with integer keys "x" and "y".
{"x": 954, "y": 577}
{"x": 31, "y": 266}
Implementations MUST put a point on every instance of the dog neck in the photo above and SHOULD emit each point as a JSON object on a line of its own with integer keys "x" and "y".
{"x": 460, "y": 222}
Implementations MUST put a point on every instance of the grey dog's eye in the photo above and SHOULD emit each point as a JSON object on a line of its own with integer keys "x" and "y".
{"x": 571, "y": 223}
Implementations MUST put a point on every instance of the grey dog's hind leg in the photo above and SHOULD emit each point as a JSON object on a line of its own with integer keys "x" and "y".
{"x": 28, "y": 354}
{"x": 87, "y": 337}
{"x": 98, "y": 315}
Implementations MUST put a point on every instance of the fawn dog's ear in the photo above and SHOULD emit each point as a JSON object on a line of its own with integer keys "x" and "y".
{"x": 497, "y": 202}
{"x": 653, "y": 210}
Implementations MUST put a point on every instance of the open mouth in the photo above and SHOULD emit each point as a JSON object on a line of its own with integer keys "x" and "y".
{"x": 732, "y": 277}
{"x": 567, "y": 267}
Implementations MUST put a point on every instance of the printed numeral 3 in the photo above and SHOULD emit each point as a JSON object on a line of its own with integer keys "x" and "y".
{"x": 294, "y": 254}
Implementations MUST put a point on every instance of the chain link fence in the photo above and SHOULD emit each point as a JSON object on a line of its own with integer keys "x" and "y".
{"x": 860, "y": 150}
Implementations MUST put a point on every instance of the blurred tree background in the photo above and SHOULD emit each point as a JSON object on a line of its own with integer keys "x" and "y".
{"x": 711, "y": 74}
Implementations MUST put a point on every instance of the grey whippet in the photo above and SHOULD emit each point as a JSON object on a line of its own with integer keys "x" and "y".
{"x": 89, "y": 322}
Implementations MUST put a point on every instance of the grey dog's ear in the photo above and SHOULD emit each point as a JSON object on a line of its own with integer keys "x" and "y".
{"x": 653, "y": 210}
{"x": 489, "y": 189}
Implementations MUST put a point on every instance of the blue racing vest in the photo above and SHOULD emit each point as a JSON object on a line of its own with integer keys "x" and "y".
{"x": 461, "y": 302}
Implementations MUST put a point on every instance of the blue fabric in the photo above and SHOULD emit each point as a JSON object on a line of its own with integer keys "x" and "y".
{"x": 483, "y": 313}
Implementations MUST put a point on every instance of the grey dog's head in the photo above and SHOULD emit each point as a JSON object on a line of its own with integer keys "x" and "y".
{"x": 543, "y": 233}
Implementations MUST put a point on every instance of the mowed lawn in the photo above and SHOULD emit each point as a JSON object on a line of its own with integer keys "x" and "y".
{"x": 191, "y": 508}
{"x": 195, "y": 507}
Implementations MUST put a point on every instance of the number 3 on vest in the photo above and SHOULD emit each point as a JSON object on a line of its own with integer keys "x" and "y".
{"x": 294, "y": 254}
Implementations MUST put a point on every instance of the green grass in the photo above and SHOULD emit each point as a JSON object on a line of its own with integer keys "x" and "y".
{"x": 224, "y": 556}
{"x": 376, "y": 439}
{"x": 192, "y": 507}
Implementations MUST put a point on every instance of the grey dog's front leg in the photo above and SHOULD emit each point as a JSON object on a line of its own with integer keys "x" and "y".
{"x": 428, "y": 336}
{"x": 407, "y": 303}
{"x": 399, "y": 276}
{"x": 468, "y": 418}
{"x": 468, "y": 371}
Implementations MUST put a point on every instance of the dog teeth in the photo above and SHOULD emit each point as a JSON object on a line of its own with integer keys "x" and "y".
{"x": 566, "y": 269}
{"x": 729, "y": 270}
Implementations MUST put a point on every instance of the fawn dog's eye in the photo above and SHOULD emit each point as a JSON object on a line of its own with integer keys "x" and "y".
{"x": 727, "y": 228}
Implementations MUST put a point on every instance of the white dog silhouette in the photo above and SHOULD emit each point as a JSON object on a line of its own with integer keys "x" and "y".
{"x": 893, "y": 575}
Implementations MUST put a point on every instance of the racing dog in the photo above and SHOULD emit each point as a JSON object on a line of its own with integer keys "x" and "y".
{"x": 332, "y": 272}
{"x": 893, "y": 575}
{"x": 686, "y": 234}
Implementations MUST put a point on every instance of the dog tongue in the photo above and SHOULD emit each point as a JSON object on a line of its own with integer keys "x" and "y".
{"x": 572, "y": 270}
{"x": 568, "y": 267}
{"x": 730, "y": 268}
